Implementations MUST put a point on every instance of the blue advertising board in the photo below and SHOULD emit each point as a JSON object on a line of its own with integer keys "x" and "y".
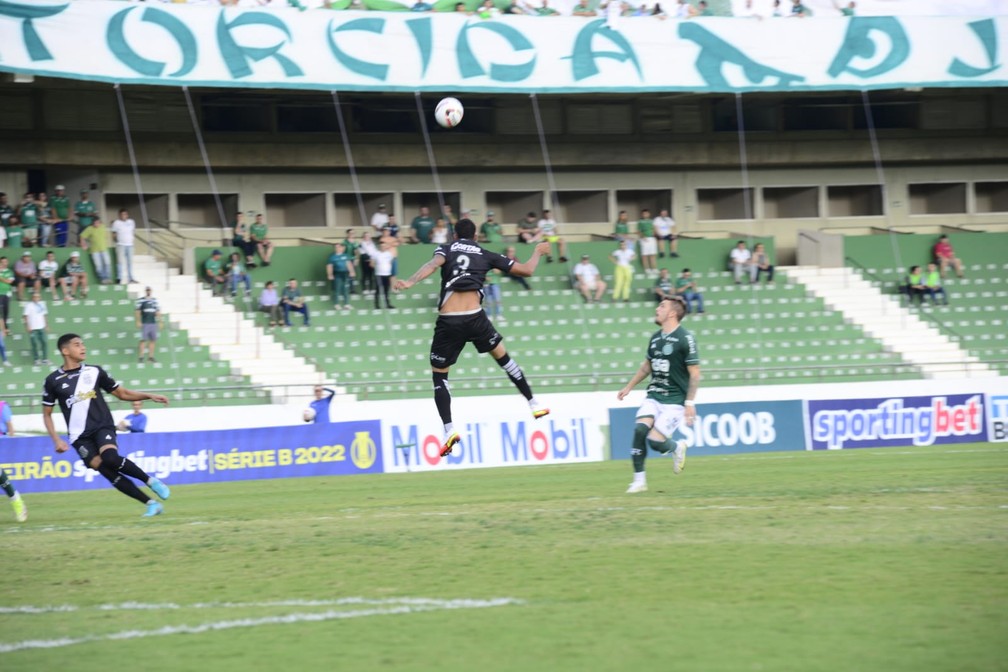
{"x": 334, "y": 449}
{"x": 721, "y": 429}
{"x": 896, "y": 421}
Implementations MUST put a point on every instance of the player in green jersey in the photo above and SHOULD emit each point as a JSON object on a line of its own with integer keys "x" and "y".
{"x": 673, "y": 363}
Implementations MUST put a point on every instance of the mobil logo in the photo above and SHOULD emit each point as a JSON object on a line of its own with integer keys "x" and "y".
{"x": 524, "y": 442}
{"x": 413, "y": 447}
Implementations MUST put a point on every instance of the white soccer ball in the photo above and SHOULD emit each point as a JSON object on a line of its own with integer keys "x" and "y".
{"x": 448, "y": 112}
{"x": 308, "y": 415}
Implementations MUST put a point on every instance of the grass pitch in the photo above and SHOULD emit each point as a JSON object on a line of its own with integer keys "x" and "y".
{"x": 855, "y": 560}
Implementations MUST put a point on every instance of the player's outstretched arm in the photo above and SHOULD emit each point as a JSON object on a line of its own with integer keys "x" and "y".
{"x": 643, "y": 372}
{"x": 129, "y": 395}
{"x": 422, "y": 273}
{"x": 526, "y": 269}
{"x": 58, "y": 442}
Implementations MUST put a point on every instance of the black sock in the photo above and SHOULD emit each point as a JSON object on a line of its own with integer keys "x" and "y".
{"x": 6, "y": 484}
{"x": 114, "y": 460}
{"x": 442, "y": 397}
{"x": 516, "y": 375}
{"x": 122, "y": 484}
{"x": 639, "y": 450}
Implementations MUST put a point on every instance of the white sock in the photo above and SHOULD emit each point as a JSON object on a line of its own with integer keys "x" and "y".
{"x": 449, "y": 428}
{"x": 639, "y": 477}
{"x": 16, "y": 497}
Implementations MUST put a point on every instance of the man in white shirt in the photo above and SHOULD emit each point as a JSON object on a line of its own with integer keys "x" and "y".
{"x": 381, "y": 261}
{"x": 35, "y": 322}
{"x": 665, "y": 231}
{"x": 551, "y": 234}
{"x": 739, "y": 260}
{"x": 124, "y": 230}
{"x": 589, "y": 279}
{"x": 48, "y": 274}
{"x": 380, "y": 219}
{"x": 623, "y": 272}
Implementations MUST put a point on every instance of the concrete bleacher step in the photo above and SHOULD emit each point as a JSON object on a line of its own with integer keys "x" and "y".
{"x": 885, "y": 319}
{"x": 228, "y": 335}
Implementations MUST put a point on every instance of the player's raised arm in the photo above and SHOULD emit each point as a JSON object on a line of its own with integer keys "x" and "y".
{"x": 129, "y": 395}
{"x": 527, "y": 268}
{"x": 422, "y": 273}
{"x": 643, "y": 372}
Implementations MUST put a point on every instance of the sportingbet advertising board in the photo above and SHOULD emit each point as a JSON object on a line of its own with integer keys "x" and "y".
{"x": 997, "y": 417}
{"x": 724, "y": 428}
{"x": 896, "y": 421}
{"x": 336, "y": 449}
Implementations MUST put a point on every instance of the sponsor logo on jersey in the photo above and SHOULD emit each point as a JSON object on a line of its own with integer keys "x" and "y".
{"x": 460, "y": 246}
{"x": 80, "y": 396}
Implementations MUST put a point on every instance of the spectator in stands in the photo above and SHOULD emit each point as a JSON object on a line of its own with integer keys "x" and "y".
{"x": 353, "y": 251}
{"x": 7, "y": 281}
{"x": 551, "y": 234}
{"x": 945, "y": 256}
{"x": 648, "y": 243}
{"x": 665, "y": 233}
{"x": 292, "y": 300}
{"x": 439, "y": 234}
{"x": 528, "y": 229}
{"x": 148, "y": 320}
{"x": 15, "y": 234}
{"x": 365, "y": 249}
{"x": 135, "y": 422}
{"x": 488, "y": 10}
{"x": 391, "y": 230}
{"x": 582, "y": 8}
{"x": 490, "y": 230}
{"x": 515, "y": 8}
{"x": 546, "y": 10}
{"x": 5, "y": 210}
{"x": 26, "y": 273}
{"x": 739, "y": 260}
{"x": 777, "y": 10}
{"x": 686, "y": 287}
{"x": 847, "y": 10}
{"x": 799, "y": 10}
{"x": 237, "y": 274}
{"x": 28, "y": 214}
{"x": 3, "y": 235}
{"x": 259, "y": 233}
{"x": 47, "y": 219}
{"x": 420, "y": 227}
{"x": 242, "y": 239}
{"x": 380, "y": 218}
{"x": 511, "y": 254}
{"x": 421, "y": 6}
{"x": 323, "y": 397}
{"x": 3, "y": 346}
{"x": 48, "y": 270}
{"x": 6, "y": 429}
{"x": 748, "y": 11}
{"x": 588, "y": 279}
{"x": 933, "y": 285}
{"x": 760, "y": 264}
{"x": 95, "y": 239}
{"x": 213, "y": 273}
{"x": 451, "y": 219}
{"x": 621, "y": 229}
{"x": 622, "y": 257}
{"x": 124, "y": 231}
{"x": 683, "y": 10}
{"x": 85, "y": 211}
{"x": 664, "y": 288}
{"x": 703, "y": 9}
{"x": 494, "y": 306}
{"x": 269, "y": 303}
{"x": 914, "y": 286}
{"x": 34, "y": 313}
{"x": 382, "y": 260}
{"x": 75, "y": 275}
{"x": 61, "y": 209}
{"x": 340, "y": 270}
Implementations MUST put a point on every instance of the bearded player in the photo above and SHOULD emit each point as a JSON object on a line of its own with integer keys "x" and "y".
{"x": 461, "y": 319}
{"x": 674, "y": 366}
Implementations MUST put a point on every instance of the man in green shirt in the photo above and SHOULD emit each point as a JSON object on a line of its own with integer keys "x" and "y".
{"x": 28, "y": 212}
{"x": 685, "y": 287}
{"x": 6, "y": 287}
{"x": 703, "y": 9}
{"x": 673, "y": 362}
{"x": 490, "y": 231}
{"x": 5, "y": 210}
{"x": 340, "y": 269}
{"x": 621, "y": 230}
{"x": 85, "y": 211}
{"x": 664, "y": 289}
{"x": 421, "y": 226}
{"x": 848, "y": 10}
{"x": 264, "y": 245}
{"x": 95, "y": 239}
{"x": 933, "y": 285}
{"x": 291, "y": 299}
{"x": 15, "y": 233}
{"x": 546, "y": 10}
{"x": 648, "y": 243}
{"x": 213, "y": 272}
{"x": 528, "y": 229}
{"x": 61, "y": 209}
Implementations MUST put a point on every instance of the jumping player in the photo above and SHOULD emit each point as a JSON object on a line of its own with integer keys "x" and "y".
{"x": 674, "y": 366}
{"x": 78, "y": 388}
{"x": 461, "y": 319}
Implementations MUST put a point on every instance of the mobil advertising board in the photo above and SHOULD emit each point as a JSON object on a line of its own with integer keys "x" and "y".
{"x": 496, "y": 432}
{"x": 896, "y": 421}
{"x": 723, "y": 428}
{"x": 334, "y": 449}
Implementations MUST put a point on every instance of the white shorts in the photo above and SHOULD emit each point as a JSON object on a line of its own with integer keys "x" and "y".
{"x": 667, "y": 417}
{"x": 648, "y": 246}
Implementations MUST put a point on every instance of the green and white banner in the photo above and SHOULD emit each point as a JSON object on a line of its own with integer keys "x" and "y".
{"x": 405, "y": 51}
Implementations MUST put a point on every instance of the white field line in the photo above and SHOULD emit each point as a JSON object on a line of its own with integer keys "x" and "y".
{"x": 162, "y": 606}
{"x": 402, "y": 606}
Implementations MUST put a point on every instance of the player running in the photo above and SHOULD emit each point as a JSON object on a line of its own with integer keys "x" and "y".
{"x": 77, "y": 388}
{"x": 464, "y": 265}
{"x": 674, "y": 366}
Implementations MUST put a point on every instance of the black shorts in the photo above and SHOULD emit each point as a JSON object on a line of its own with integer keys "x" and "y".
{"x": 452, "y": 332}
{"x": 88, "y": 445}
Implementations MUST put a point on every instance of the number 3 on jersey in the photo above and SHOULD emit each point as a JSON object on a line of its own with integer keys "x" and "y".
{"x": 461, "y": 264}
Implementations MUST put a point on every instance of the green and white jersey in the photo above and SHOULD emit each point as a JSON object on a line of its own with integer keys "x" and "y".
{"x": 259, "y": 231}
{"x": 645, "y": 227}
{"x": 29, "y": 215}
{"x": 669, "y": 355}
{"x": 86, "y": 212}
{"x": 61, "y": 206}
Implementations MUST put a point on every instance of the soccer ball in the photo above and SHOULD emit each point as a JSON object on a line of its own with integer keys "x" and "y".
{"x": 308, "y": 415}
{"x": 448, "y": 112}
